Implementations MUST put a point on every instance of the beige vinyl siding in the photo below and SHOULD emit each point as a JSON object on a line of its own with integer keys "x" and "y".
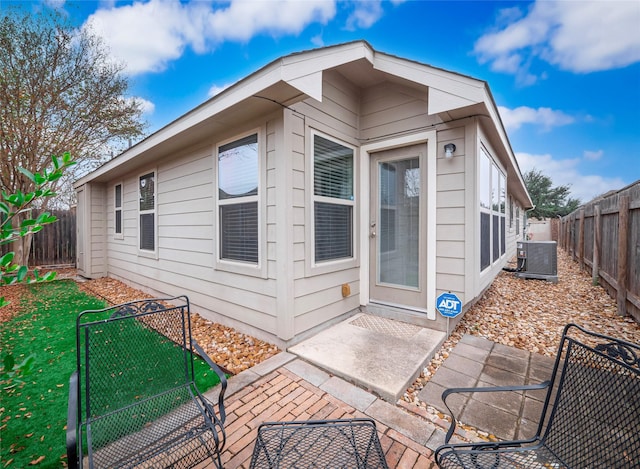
{"x": 390, "y": 108}
{"x": 299, "y": 194}
{"x": 451, "y": 214}
{"x": 98, "y": 220}
{"x": 186, "y": 237}
{"x": 339, "y": 110}
{"x": 271, "y": 169}
{"x": 318, "y": 293}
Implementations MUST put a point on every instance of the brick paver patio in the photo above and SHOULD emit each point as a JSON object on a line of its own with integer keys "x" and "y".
{"x": 283, "y": 395}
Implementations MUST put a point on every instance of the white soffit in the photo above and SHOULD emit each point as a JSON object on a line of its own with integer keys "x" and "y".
{"x": 304, "y": 71}
{"x": 441, "y": 101}
{"x": 311, "y": 84}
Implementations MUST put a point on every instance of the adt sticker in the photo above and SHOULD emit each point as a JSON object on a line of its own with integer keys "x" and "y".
{"x": 449, "y": 305}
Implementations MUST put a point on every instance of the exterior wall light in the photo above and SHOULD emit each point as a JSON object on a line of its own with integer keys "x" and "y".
{"x": 449, "y": 148}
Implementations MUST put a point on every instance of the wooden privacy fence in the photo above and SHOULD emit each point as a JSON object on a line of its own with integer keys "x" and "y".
{"x": 56, "y": 243}
{"x": 604, "y": 237}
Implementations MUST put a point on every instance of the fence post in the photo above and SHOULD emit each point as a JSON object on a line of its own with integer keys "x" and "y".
{"x": 623, "y": 227}
{"x": 580, "y": 247}
{"x": 596, "y": 244}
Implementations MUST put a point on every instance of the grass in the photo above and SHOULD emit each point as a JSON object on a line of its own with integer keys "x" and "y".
{"x": 33, "y": 415}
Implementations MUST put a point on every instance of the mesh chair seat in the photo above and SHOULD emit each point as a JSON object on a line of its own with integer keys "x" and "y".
{"x": 133, "y": 398}
{"x": 592, "y": 405}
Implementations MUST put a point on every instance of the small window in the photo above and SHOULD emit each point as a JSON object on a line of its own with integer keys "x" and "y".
{"x": 238, "y": 176}
{"x": 147, "y": 212}
{"x": 333, "y": 199}
{"x": 117, "y": 211}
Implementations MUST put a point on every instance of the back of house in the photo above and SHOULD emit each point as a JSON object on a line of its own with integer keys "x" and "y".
{"x": 329, "y": 180}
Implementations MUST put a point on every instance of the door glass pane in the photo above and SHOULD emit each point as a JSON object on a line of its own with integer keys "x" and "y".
{"x": 398, "y": 218}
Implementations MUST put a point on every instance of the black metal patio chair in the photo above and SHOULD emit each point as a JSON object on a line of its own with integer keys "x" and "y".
{"x": 590, "y": 417}
{"x": 133, "y": 400}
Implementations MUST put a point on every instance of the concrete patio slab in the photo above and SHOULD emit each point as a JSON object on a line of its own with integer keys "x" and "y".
{"x": 381, "y": 355}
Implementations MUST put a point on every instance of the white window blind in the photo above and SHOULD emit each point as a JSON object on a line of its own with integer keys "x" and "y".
{"x": 333, "y": 199}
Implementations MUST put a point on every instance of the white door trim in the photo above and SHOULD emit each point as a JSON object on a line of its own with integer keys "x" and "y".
{"x": 428, "y": 137}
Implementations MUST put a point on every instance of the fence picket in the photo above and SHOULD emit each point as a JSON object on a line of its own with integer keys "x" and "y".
{"x": 604, "y": 236}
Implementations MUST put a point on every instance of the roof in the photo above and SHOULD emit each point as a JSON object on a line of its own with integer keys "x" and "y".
{"x": 299, "y": 76}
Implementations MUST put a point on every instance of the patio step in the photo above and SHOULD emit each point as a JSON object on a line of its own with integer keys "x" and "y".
{"x": 382, "y": 355}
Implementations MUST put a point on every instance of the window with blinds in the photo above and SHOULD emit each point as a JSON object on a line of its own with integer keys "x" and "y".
{"x": 238, "y": 177}
{"x": 117, "y": 209}
{"x": 147, "y": 212}
{"x": 492, "y": 197}
{"x": 333, "y": 199}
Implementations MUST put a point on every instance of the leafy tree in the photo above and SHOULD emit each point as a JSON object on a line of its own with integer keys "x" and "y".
{"x": 59, "y": 91}
{"x": 549, "y": 201}
{"x": 19, "y": 203}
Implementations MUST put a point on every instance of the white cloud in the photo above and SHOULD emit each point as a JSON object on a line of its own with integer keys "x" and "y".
{"x": 317, "y": 40}
{"x": 566, "y": 172}
{"x": 57, "y": 4}
{"x": 216, "y": 89}
{"x": 593, "y": 155}
{"x": 147, "y": 106}
{"x": 545, "y": 117}
{"x": 147, "y": 36}
{"x": 580, "y": 37}
{"x": 365, "y": 14}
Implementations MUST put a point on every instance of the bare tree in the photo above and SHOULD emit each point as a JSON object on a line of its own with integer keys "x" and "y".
{"x": 59, "y": 92}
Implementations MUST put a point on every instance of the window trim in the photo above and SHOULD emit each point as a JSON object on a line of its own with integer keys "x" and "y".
{"x": 229, "y": 265}
{"x": 311, "y": 266}
{"x": 118, "y": 234}
{"x": 492, "y": 211}
{"x": 147, "y": 252}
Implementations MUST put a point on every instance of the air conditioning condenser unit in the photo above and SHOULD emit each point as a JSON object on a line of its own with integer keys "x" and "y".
{"x": 538, "y": 259}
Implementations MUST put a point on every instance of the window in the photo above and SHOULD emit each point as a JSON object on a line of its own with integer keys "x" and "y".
{"x": 333, "y": 199}
{"x": 147, "y": 212}
{"x": 492, "y": 198}
{"x": 117, "y": 210}
{"x": 517, "y": 220}
{"x": 238, "y": 176}
{"x": 510, "y": 213}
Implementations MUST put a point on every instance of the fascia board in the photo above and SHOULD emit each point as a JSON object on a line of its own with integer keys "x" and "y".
{"x": 302, "y": 71}
{"x": 237, "y": 93}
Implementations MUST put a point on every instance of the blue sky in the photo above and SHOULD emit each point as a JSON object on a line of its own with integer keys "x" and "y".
{"x": 565, "y": 74}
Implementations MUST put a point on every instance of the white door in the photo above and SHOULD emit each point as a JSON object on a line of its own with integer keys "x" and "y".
{"x": 397, "y": 227}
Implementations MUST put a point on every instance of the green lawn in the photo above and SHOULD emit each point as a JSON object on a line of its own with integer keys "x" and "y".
{"x": 33, "y": 416}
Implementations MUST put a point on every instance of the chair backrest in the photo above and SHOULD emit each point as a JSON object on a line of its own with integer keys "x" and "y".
{"x": 131, "y": 353}
{"x": 595, "y": 415}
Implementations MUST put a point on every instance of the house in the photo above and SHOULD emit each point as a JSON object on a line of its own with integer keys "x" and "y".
{"x": 328, "y": 180}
